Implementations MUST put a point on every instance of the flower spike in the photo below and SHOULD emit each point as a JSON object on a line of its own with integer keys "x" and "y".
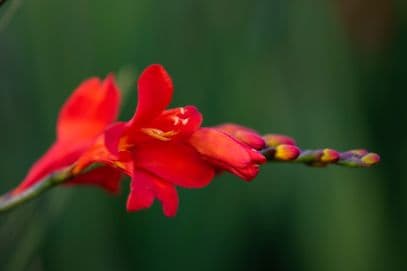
{"x": 160, "y": 149}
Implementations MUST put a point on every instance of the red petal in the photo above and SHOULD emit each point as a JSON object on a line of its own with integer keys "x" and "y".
{"x": 83, "y": 117}
{"x": 56, "y": 158}
{"x": 183, "y": 121}
{"x": 98, "y": 153}
{"x": 145, "y": 187}
{"x": 219, "y": 146}
{"x": 168, "y": 196}
{"x": 106, "y": 177}
{"x": 154, "y": 94}
{"x": 113, "y": 135}
{"x": 171, "y": 125}
{"x": 225, "y": 152}
{"x": 141, "y": 192}
{"x": 247, "y": 173}
{"x": 89, "y": 110}
{"x": 175, "y": 163}
{"x": 244, "y": 135}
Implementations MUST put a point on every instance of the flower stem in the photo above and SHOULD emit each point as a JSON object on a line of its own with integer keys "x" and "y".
{"x": 10, "y": 200}
{"x": 277, "y": 153}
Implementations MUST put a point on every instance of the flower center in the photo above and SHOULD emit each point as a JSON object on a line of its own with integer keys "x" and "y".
{"x": 159, "y": 134}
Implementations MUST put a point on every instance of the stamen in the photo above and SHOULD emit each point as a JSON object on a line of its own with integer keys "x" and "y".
{"x": 175, "y": 119}
{"x": 184, "y": 121}
{"x": 159, "y": 134}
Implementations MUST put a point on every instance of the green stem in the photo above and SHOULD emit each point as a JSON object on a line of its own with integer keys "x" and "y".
{"x": 316, "y": 158}
{"x": 11, "y": 200}
{"x": 308, "y": 156}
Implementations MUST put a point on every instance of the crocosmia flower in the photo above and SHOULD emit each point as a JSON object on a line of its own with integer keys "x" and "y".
{"x": 163, "y": 148}
{"x": 160, "y": 149}
{"x": 82, "y": 119}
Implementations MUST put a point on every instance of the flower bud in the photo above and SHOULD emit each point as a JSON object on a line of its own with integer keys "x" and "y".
{"x": 243, "y": 134}
{"x": 329, "y": 156}
{"x": 358, "y": 152}
{"x": 285, "y": 152}
{"x": 273, "y": 140}
{"x": 370, "y": 159}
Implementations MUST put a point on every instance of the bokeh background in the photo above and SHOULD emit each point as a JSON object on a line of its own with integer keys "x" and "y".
{"x": 330, "y": 73}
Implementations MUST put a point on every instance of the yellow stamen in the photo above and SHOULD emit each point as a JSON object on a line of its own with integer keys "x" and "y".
{"x": 159, "y": 134}
{"x": 124, "y": 144}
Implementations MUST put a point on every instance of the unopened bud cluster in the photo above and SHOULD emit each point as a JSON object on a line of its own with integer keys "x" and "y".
{"x": 284, "y": 148}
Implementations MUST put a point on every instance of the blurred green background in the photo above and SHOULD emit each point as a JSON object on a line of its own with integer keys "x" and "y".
{"x": 329, "y": 73}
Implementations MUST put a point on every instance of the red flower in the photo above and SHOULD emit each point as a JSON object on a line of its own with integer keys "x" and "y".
{"x": 161, "y": 149}
{"x": 83, "y": 117}
{"x": 158, "y": 148}
{"x": 155, "y": 141}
